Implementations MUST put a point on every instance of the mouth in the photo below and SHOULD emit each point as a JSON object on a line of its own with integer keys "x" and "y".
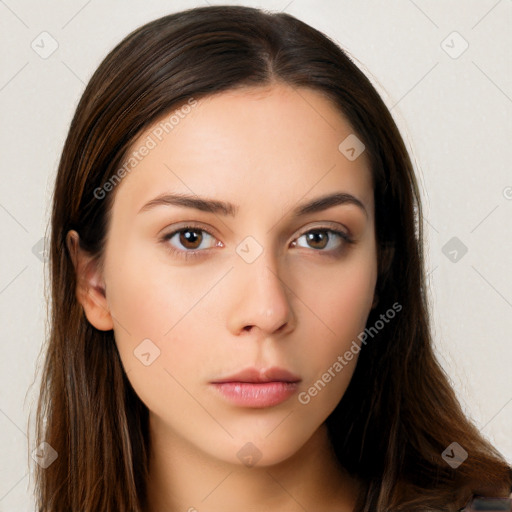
{"x": 258, "y": 388}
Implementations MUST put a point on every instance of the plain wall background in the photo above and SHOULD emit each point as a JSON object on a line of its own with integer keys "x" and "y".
{"x": 454, "y": 112}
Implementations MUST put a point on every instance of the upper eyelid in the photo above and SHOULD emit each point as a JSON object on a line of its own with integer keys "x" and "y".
{"x": 210, "y": 230}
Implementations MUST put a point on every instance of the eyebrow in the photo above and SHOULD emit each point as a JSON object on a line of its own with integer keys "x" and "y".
{"x": 224, "y": 208}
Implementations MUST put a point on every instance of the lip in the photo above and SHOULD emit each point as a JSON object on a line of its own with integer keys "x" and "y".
{"x": 258, "y": 388}
{"x": 255, "y": 375}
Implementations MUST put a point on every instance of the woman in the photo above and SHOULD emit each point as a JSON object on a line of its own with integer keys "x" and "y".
{"x": 240, "y": 316}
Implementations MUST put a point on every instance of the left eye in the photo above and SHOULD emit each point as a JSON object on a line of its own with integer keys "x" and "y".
{"x": 320, "y": 238}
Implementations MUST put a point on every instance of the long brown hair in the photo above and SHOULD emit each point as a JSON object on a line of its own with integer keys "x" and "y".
{"x": 399, "y": 412}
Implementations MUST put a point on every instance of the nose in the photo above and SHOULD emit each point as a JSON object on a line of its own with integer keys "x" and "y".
{"x": 261, "y": 299}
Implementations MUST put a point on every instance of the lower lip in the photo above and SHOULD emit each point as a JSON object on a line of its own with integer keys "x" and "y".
{"x": 252, "y": 394}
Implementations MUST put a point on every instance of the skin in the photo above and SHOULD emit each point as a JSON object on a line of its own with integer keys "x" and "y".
{"x": 266, "y": 150}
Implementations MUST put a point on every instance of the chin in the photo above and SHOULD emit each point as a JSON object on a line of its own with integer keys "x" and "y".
{"x": 257, "y": 449}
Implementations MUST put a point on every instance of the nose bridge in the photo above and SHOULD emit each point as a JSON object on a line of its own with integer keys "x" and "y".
{"x": 261, "y": 298}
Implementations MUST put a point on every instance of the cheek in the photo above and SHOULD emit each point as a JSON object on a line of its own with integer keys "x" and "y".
{"x": 170, "y": 307}
{"x": 161, "y": 351}
{"x": 339, "y": 300}
{"x": 146, "y": 295}
{"x": 337, "y": 314}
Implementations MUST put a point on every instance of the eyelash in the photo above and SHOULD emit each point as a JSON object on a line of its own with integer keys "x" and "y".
{"x": 197, "y": 253}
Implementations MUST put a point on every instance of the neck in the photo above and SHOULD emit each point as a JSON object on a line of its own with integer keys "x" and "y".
{"x": 184, "y": 479}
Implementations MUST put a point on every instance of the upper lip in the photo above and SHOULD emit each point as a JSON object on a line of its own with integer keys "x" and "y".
{"x": 273, "y": 374}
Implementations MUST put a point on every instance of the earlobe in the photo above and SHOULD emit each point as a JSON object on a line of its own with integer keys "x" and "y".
{"x": 90, "y": 288}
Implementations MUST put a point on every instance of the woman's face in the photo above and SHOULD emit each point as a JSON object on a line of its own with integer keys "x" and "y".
{"x": 247, "y": 286}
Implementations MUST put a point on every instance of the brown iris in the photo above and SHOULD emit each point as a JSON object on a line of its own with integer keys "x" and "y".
{"x": 190, "y": 236}
{"x": 320, "y": 237}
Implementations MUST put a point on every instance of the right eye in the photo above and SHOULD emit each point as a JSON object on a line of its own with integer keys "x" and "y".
{"x": 187, "y": 240}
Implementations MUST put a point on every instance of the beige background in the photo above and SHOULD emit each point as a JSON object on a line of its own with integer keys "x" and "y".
{"x": 455, "y": 112}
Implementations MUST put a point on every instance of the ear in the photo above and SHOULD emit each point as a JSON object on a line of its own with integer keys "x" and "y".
{"x": 90, "y": 287}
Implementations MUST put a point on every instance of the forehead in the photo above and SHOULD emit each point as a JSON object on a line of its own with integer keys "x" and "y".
{"x": 277, "y": 143}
